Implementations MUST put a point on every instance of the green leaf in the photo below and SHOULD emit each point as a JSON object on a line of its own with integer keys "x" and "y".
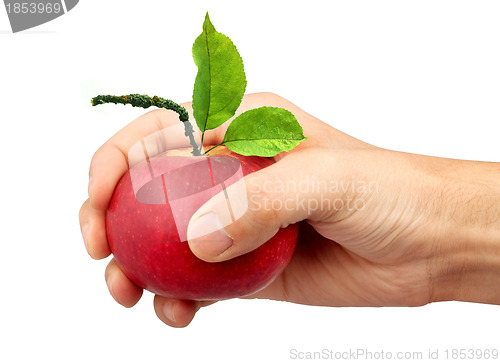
{"x": 264, "y": 131}
{"x": 220, "y": 83}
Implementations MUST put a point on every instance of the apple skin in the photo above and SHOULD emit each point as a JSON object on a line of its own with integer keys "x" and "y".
{"x": 145, "y": 240}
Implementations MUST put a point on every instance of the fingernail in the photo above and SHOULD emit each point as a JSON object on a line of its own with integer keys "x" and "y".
{"x": 109, "y": 285}
{"x": 84, "y": 230}
{"x": 168, "y": 310}
{"x": 207, "y": 237}
{"x": 89, "y": 186}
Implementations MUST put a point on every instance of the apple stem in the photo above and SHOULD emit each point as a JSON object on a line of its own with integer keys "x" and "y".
{"x": 144, "y": 101}
{"x": 202, "y": 137}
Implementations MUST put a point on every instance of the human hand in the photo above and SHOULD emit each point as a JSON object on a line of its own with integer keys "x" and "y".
{"x": 372, "y": 230}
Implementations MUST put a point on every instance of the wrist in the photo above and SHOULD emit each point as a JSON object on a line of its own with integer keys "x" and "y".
{"x": 468, "y": 269}
{"x": 466, "y": 265}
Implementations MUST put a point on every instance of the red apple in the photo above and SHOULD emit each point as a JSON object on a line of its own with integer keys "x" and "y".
{"x": 147, "y": 220}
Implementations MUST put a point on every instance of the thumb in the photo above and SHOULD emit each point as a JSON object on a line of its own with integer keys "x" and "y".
{"x": 251, "y": 211}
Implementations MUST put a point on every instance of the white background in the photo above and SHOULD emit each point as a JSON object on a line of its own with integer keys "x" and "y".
{"x": 416, "y": 76}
